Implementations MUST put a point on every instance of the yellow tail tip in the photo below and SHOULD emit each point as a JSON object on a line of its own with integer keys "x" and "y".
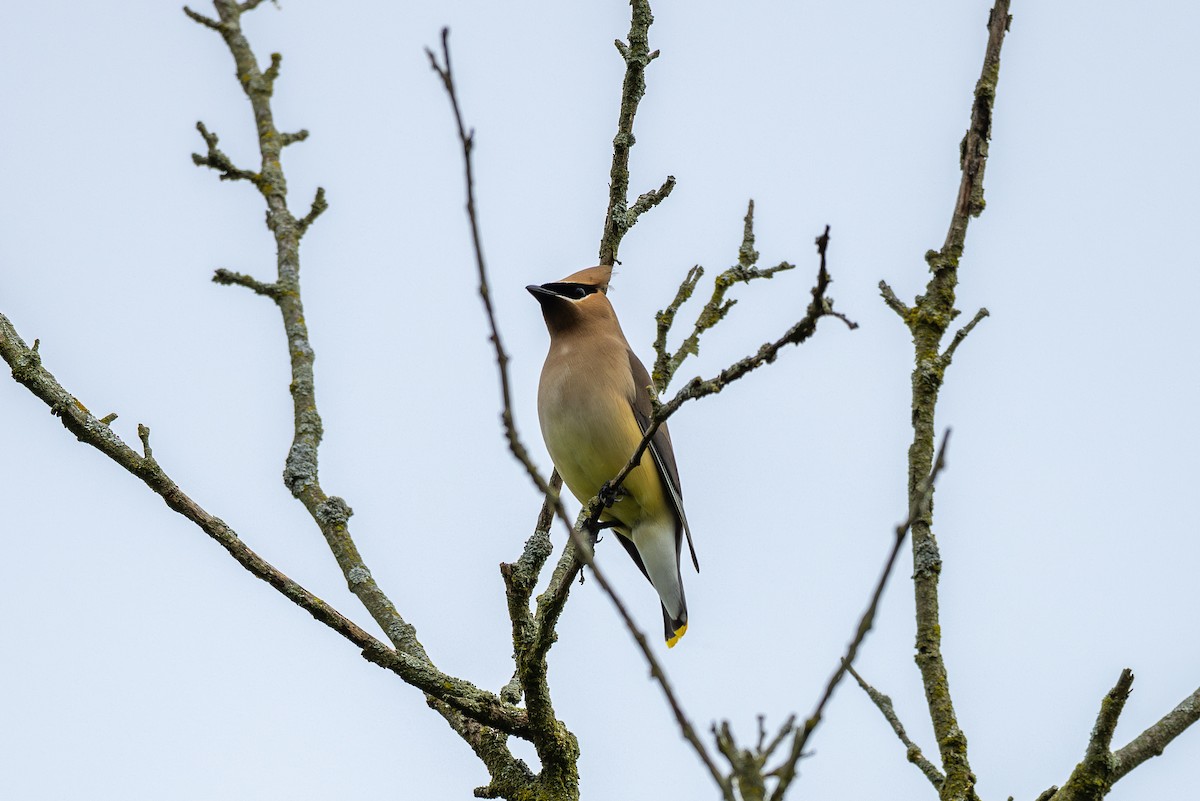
{"x": 679, "y": 632}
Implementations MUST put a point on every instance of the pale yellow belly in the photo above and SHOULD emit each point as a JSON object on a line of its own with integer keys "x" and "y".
{"x": 590, "y": 441}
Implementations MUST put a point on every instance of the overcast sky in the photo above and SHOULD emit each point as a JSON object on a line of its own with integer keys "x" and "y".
{"x": 141, "y": 662}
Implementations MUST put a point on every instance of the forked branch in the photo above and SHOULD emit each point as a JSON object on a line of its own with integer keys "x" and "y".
{"x": 300, "y": 475}
{"x": 27, "y": 369}
{"x": 621, "y": 216}
{"x": 928, "y": 319}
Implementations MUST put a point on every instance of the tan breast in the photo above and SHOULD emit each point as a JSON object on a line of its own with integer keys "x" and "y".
{"x": 589, "y": 427}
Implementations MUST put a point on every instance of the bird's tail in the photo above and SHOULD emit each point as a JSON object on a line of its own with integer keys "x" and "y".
{"x": 655, "y": 549}
{"x": 674, "y": 628}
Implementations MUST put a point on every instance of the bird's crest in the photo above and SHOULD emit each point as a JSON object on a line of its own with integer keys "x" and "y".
{"x": 593, "y": 276}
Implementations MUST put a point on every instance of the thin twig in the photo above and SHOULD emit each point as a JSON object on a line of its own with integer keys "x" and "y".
{"x": 659, "y": 675}
{"x": 207, "y": 22}
{"x": 697, "y": 388}
{"x": 550, "y": 491}
{"x": 288, "y": 138}
{"x": 746, "y": 765}
{"x": 466, "y": 138}
{"x": 217, "y": 160}
{"x": 648, "y": 200}
{"x": 663, "y": 370}
{"x": 714, "y": 311}
{"x": 231, "y": 278}
{"x": 894, "y": 303}
{"x": 788, "y": 726}
{"x": 884, "y": 704}
{"x": 959, "y": 336}
{"x": 918, "y": 507}
{"x": 319, "y": 205}
{"x": 557, "y": 747}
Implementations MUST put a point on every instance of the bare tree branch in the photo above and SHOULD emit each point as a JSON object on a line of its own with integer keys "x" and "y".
{"x": 894, "y": 303}
{"x": 231, "y": 278}
{"x": 207, "y": 22}
{"x": 288, "y": 138}
{"x": 300, "y": 473}
{"x": 660, "y": 675}
{"x": 1101, "y": 768}
{"x": 928, "y": 320}
{"x": 532, "y": 637}
{"x": 918, "y": 506}
{"x": 217, "y": 160}
{"x": 1093, "y": 777}
{"x": 445, "y": 71}
{"x": 801, "y": 331}
{"x": 319, "y": 205}
{"x": 1110, "y": 711}
{"x": 481, "y": 717}
{"x": 557, "y": 747}
{"x": 912, "y": 750}
{"x": 959, "y": 336}
{"x": 748, "y": 768}
{"x": 520, "y": 578}
{"x": 663, "y": 369}
{"x": 648, "y": 200}
{"x": 620, "y": 216}
{"x": 531, "y": 666}
{"x": 746, "y": 764}
{"x": 821, "y": 306}
{"x": 1155, "y": 739}
{"x": 714, "y": 311}
{"x": 27, "y": 369}
{"x": 591, "y": 513}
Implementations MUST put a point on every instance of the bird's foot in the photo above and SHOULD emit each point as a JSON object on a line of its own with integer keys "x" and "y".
{"x": 609, "y": 494}
{"x": 600, "y": 525}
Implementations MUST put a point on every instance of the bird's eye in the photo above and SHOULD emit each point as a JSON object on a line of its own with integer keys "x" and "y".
{"x": 570, "y": 291}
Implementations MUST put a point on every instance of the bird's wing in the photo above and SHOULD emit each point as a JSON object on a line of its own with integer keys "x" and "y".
{"x": 660, "y": 446}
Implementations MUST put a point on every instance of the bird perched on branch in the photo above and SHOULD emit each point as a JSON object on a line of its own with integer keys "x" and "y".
{"x": 594, "y": 408}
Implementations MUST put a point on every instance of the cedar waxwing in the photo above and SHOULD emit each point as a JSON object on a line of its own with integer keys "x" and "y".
{"x": 594, "y": 409}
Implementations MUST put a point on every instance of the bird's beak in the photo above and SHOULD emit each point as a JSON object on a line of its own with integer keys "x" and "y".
{"x": 540, "y": 292}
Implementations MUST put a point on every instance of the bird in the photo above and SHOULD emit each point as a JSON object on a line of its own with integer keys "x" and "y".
{"x": 594, "y": 408}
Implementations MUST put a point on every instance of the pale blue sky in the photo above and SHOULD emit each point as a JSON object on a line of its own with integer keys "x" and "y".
{"x": 141, "y": 662}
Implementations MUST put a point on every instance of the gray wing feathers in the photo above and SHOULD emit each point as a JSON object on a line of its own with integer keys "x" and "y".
{"x": 660, "y": 448}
